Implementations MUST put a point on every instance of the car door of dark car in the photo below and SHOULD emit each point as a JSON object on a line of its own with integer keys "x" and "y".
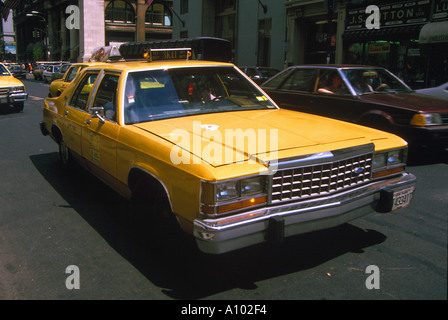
{"x": 296, "y": 91}
{"x": 333, "y": 97}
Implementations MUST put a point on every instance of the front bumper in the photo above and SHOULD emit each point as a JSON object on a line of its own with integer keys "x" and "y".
{"x": 276, "y": 222}
{"x": 13, "y": 97}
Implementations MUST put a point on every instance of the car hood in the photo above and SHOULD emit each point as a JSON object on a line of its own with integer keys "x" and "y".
{"x": 222, "y": 138}
{"x": 6, "y": 81}
{"x": 411, "y": 101}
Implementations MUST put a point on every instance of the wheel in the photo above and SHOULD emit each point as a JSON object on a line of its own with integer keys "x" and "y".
{"x": 18, "y": 107}
{"x": 151, "y": 209}
{"x": 64, "y": 154}
{"x": 377, "y": 122}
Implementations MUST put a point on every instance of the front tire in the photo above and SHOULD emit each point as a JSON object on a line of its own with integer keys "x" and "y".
{"x": 150, "y": 209}
{"x": 18, "y": 107}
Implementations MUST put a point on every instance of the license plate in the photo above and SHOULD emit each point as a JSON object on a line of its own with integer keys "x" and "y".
{"x": 402, "y": 198}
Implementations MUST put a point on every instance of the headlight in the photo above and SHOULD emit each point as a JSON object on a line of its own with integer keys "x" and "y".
{"x": 232, "y": 195}
{"x": 426, "y": 119}
{"x": 17, "y": 89}
{"x": 389, "y": 162}
{"x": 227, "y": 190}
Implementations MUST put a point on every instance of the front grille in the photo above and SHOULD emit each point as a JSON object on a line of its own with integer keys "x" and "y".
{"x": 4, "y": 91}
{"x": 321, "y": 178}
{"x": 444, "y": 118}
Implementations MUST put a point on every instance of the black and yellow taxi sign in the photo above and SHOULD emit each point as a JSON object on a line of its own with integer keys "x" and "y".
{"x": 167, "y": 54}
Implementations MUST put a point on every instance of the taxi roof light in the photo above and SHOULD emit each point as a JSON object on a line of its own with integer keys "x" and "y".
{"x": 167, "y": 54}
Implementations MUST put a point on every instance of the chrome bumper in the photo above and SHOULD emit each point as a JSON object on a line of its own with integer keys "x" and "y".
{"x": 18, "y": 97}
{"x": 279, "y": 221}
{"x": 14, "y": 97}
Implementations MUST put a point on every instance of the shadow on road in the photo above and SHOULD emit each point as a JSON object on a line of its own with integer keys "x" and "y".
{"x": 427, "y": 157}
{"x": 175, "y": 265}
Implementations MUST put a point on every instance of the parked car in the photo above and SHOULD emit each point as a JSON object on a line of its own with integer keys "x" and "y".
{"x": 366, "y": 95}
{"x": 48, "y": 72}
{"x": 439, "y": 91}
{"x": 17, "y": 71}
{"x": 196, "y": 144}
{"x": 12, "y": 91}
{"x": 60, "y": 73}
{"x": 259, "y": 74}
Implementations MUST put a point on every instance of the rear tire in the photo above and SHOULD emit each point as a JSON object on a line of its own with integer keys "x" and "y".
{"x": 64, "y": 154}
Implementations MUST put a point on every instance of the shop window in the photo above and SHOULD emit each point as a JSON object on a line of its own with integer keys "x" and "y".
{"x": 120, "y": 12}
{"x": 158, "y": 15}
{"x": 183, "y": 6}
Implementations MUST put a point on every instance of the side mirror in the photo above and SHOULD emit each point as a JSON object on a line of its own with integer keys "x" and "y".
{"x": 97, "y": 112}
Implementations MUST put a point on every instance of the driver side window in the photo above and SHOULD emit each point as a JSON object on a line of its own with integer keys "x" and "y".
{"x": 106, "y": 96}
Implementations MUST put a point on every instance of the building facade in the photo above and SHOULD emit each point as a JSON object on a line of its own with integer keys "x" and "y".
{"x": 69, "y": 30}
{"x": 8, "y": 39}
{"x": 411, "y": 39}
{"x": 281, "y": 33}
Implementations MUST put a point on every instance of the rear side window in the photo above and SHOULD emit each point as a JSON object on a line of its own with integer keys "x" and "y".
{"x": 276, "y": 82}
{"x": 300, "y": 80}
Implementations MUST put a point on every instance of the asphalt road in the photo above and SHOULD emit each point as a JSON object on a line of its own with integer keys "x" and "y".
{"x": 51, "y": 219}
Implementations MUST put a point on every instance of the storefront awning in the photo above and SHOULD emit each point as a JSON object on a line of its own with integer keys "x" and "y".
{"x": 390, "y": 33}
{"x": 434, "y": 32}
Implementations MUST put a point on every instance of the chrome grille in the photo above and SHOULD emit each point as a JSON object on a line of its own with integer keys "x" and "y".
{"x": 4, "y": 91}
{"x": 321, "y": 179}
{"x": 444, "y": 118}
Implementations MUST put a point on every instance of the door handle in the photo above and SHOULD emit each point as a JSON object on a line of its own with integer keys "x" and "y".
{"x": 65, "y": 113}
{"x": 88, "y": 121}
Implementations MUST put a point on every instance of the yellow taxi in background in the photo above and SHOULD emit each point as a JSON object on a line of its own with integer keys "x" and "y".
{"x": 12, "y": 91}
{"x": 58, "y": 85}
{"x": 199, "y": 143}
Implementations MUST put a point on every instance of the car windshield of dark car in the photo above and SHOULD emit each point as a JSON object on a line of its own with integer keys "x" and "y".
{"x": 374, "y": 80}
{"x": 162, "y": 94}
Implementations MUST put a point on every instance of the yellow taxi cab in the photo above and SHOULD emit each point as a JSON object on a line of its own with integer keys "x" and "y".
{"x": 200, "y": 142}
{"x": 12, "y": 91}
{"x": 58, "y": 85}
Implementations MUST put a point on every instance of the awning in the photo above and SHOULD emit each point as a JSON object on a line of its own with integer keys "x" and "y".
{"x": 387, "y": 34}
{"x": 434, "y": 32}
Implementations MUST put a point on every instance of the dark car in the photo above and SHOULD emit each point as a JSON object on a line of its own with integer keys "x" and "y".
{"x": 259, "y": 74}
{"x": 365, "y": 95}
{"x": 17, "y": 71}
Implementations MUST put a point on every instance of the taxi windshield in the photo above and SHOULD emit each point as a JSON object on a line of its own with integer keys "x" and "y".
{"x": 162, "y": 94}
{"x": 4, "y": 71}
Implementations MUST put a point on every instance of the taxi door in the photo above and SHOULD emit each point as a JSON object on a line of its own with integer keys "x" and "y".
{"x": 100, "y": 133}
{"x": 75, "y": 113}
